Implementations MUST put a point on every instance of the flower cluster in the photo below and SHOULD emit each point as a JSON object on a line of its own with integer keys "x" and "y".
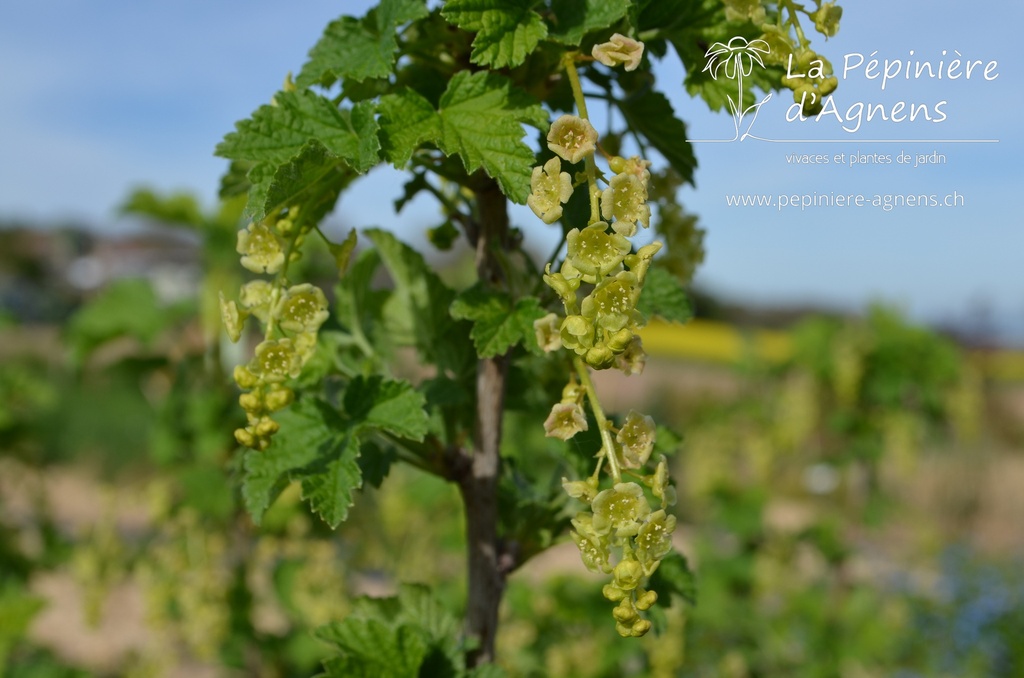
{"x": 621, "y": 520}
{"x": 291, "y": 316}
{"x": 599, "y": 284}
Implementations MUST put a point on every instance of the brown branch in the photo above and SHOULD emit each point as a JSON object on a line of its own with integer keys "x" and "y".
{"x": 487, "y": 561}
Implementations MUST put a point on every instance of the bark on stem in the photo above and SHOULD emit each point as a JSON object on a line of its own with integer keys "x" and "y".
{"x": 479, "y": 486}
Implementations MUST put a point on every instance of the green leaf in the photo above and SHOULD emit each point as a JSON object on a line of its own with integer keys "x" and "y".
{"x": 417, "y": 311}
{"x": 127, "y": 307}
{"x": 481, "y": 116}
{"x": 372, "y": 649}
{"x": 650, "y": 113}
{"x": 674, "y": 576}
{"x": 329, "y": 481}
{"x": 407, "y": 120}
{"x": 573, "y": 21}
{"x": 305, "y": 148}
{"x": 392, "y": 406}
{"x": 506, "y": 30}
{"x": 413, "y": 623}
{"x": 277, "y": 133}
{"x": 305, "y": 427}
{"x": 662, "y": 295}
{"x": 498, "y": 324}
{"x": 175, "y": 209}
{"x": 314, "y": 179}
{"x": 358, "y": 49}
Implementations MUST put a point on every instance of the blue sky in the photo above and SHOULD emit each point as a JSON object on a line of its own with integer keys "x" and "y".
{"x": 100, "y": 96}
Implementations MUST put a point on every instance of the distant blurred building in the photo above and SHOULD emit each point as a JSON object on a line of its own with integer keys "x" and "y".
{"x": 46, "y": 274}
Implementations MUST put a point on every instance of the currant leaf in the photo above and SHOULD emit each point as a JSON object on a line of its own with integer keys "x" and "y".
{"x": 357, "y": 49}
{"x": 572, "y": 22}
{"x": 498, "y": 324}
{"x": 650, "y": 113}
{"x": 506, "y": 30}
{"x": 662, "y": 295}
{"x": 407, "y": 120}
{"x": 481, "y": 120}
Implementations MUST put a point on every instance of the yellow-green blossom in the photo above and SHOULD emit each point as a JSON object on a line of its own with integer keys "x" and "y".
{"x": 565, "y": 421}
{"x": 572, "y": 138}
{"x": 625, "y": 199}
{"x": 547, "y": 331}
{"x": 276, "y": 360}
{"x": 232, "y": 318}
{"x": 303, "y": 308}
{"x": 620, "y": 50}
{"x": 620, "y": 509}
{"x": 550, "y": 187}
{"x": 594, "y": 252}
{"x": 637, "y": 439}
{"x": 260, "y": 249}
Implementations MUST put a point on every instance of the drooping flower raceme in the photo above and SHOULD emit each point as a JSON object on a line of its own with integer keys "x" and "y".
{"x": 291, "y": 316}
{"x": 599, "y": 284}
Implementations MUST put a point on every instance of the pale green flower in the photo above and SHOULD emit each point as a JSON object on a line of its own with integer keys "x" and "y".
{"x": 256, "y": 296}
{"x": 740, "y": 10}
{"x": 550, "y": 187}
{"x": 584, "y": 490}
{"x": 659, "y": 484}
{"x": 625, "y": 200}
{"x": 655, "y": 539}
{"x": 547, "y": 330}
{"x": 577, "y": 334}
{"x": 572, "y": 138}
{"x": 276, "y": 360}
{"x": 594, "y": 548}
{"x": 826, "y": 19}
{"x": 628, "y": 574}
{"x": 633, "y": 358}
{"x": 232, "y": 318}
{"x": 594, "y": 252}
{"x": 303, "y": 308}
{"x": 620, "y": 509}
{"x": 619, "y": 50}
{"x": 260, "y": 249}
{"x": 565, "y": 421}
{"x": 637, "y": 439}
{"x": 612, "y": 304}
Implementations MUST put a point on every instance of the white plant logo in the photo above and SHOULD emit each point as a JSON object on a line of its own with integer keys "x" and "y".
{"x": 736, "y": 60}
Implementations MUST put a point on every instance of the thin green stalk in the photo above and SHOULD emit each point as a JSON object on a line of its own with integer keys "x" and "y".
{"x": 607, "y": 445}
{"x": 581, "y": 107}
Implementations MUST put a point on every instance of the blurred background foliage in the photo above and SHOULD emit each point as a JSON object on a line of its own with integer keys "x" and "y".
{"x": 849, "y": 490}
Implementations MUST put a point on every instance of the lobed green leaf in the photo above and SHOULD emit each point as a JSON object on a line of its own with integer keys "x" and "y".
{"x": 498, "y": 324}
{"x": 357, "y": 49}
{"x": 507, "y": 31}
{"x": 650, "y": 113}
{"x": 663, "y": 296}
{"x": 573, "y": 19}
{"x": 481, "y": 120}
{"x": 407, "y": 120}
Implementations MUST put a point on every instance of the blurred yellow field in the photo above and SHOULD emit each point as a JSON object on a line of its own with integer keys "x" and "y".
{"x": 713, "y": 341}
